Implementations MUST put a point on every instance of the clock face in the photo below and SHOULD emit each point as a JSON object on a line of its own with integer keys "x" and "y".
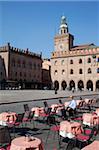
{"x": 61, "y": 46}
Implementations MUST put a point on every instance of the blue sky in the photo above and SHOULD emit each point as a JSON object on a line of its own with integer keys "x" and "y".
{"x": 33, "y": 25}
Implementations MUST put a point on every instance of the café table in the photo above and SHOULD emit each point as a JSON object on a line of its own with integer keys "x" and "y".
{"x": 37, "y": 111}
{"x": 93, "y": 146}
{"x": 90, "y": 119}
{"x": 70, "y": 129}
{"x": 54, "y": 107}
{"x": 24, "y": 143}
{"x": 7, "y": 117}
{"x": 5, "y": 137}
{"x": 87, "y": 100}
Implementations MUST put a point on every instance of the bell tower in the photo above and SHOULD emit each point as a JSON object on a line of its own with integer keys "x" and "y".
{"x": 63, "y": 26}
{"x": 64, "y": 40}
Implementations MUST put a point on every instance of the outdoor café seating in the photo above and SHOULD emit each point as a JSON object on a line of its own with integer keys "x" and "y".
{"x": 70, "y": 129}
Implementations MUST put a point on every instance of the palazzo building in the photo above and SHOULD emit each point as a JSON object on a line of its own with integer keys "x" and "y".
{"x": 74, "y": 67}
{"x": 22, "y": 68}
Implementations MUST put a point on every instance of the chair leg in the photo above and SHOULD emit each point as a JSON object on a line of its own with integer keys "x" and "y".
{"x": 47, "y": 137}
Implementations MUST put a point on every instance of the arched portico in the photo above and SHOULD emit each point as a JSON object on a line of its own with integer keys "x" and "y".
{"x": 63, "y": 85}
{"x": 80, "y": 85}
{"x": 72, "y": 85}
{"x": 56, "y": 84}
{"x": 90, "y": 85}
{"x": 97, "y": 85}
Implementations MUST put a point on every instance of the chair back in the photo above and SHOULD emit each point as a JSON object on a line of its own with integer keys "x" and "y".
{"x": 31, "y": 115}
{"x": 19, "y": 118}
{"x": 4, "y": 135}
{"x": 27, "y": 114}
{"x": 51, "y": 120}
{"x": 49, "y": 111}
{"x": 45, "y": 104}
{"x": 26, "y": 107}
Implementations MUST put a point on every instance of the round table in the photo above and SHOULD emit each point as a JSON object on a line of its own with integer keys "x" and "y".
{"x": 22, "y": 143}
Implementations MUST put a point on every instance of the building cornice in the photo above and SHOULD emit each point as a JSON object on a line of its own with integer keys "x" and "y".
{"x": 84, "y": 52}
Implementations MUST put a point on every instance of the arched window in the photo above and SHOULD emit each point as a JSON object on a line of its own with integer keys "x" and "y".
{"x": 89, "y": 70}
{"x": 55, "y": 72}
{"x": 16, "y": 74}
{"x": 80, "y": 61}
{"x": 71, "y": 71}
{"x": 19, "y": 63}
{"x": 63, "y": 71}
{"x": 55, "y": 63}
{"x": 71, "y": 61}
{"x": 24, "y": 64}
{"x": 34, "y": 65}
{"x": 89, "y": 60}
{"x": 13, "y": 62}
{"x": 20, "y": 74}
{"x": 80, "y": 71}
{"x": 62, "y": 62}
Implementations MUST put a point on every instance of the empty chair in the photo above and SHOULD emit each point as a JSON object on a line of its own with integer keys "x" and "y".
{"x": 45, "y": 104}
{"x": 5, "y": 137}
{"x": 26, "y": 107}
{"x": 19, "y": 119}
{"x": 70, "y": 145}
{"x": 54, "y": 128}
{"x": 17, "y": 122}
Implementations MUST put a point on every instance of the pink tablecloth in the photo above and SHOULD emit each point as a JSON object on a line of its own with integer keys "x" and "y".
{"x": 21, "y": 143}
{"x": 74, "y": 128}
{"x": 38, "y": 111}
{"x": 8, "y": 117}
{"x": 87, "y": 101}
{"x": 97, "y": 111}
{"x": 90, "y": 119}
{"x": 93, "y": 146}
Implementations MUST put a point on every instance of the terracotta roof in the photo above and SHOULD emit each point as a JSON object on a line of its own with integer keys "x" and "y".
{"x": 79, "y": 47}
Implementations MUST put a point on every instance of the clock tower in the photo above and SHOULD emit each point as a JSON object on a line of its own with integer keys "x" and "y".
{"x": 63, "y": 41}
